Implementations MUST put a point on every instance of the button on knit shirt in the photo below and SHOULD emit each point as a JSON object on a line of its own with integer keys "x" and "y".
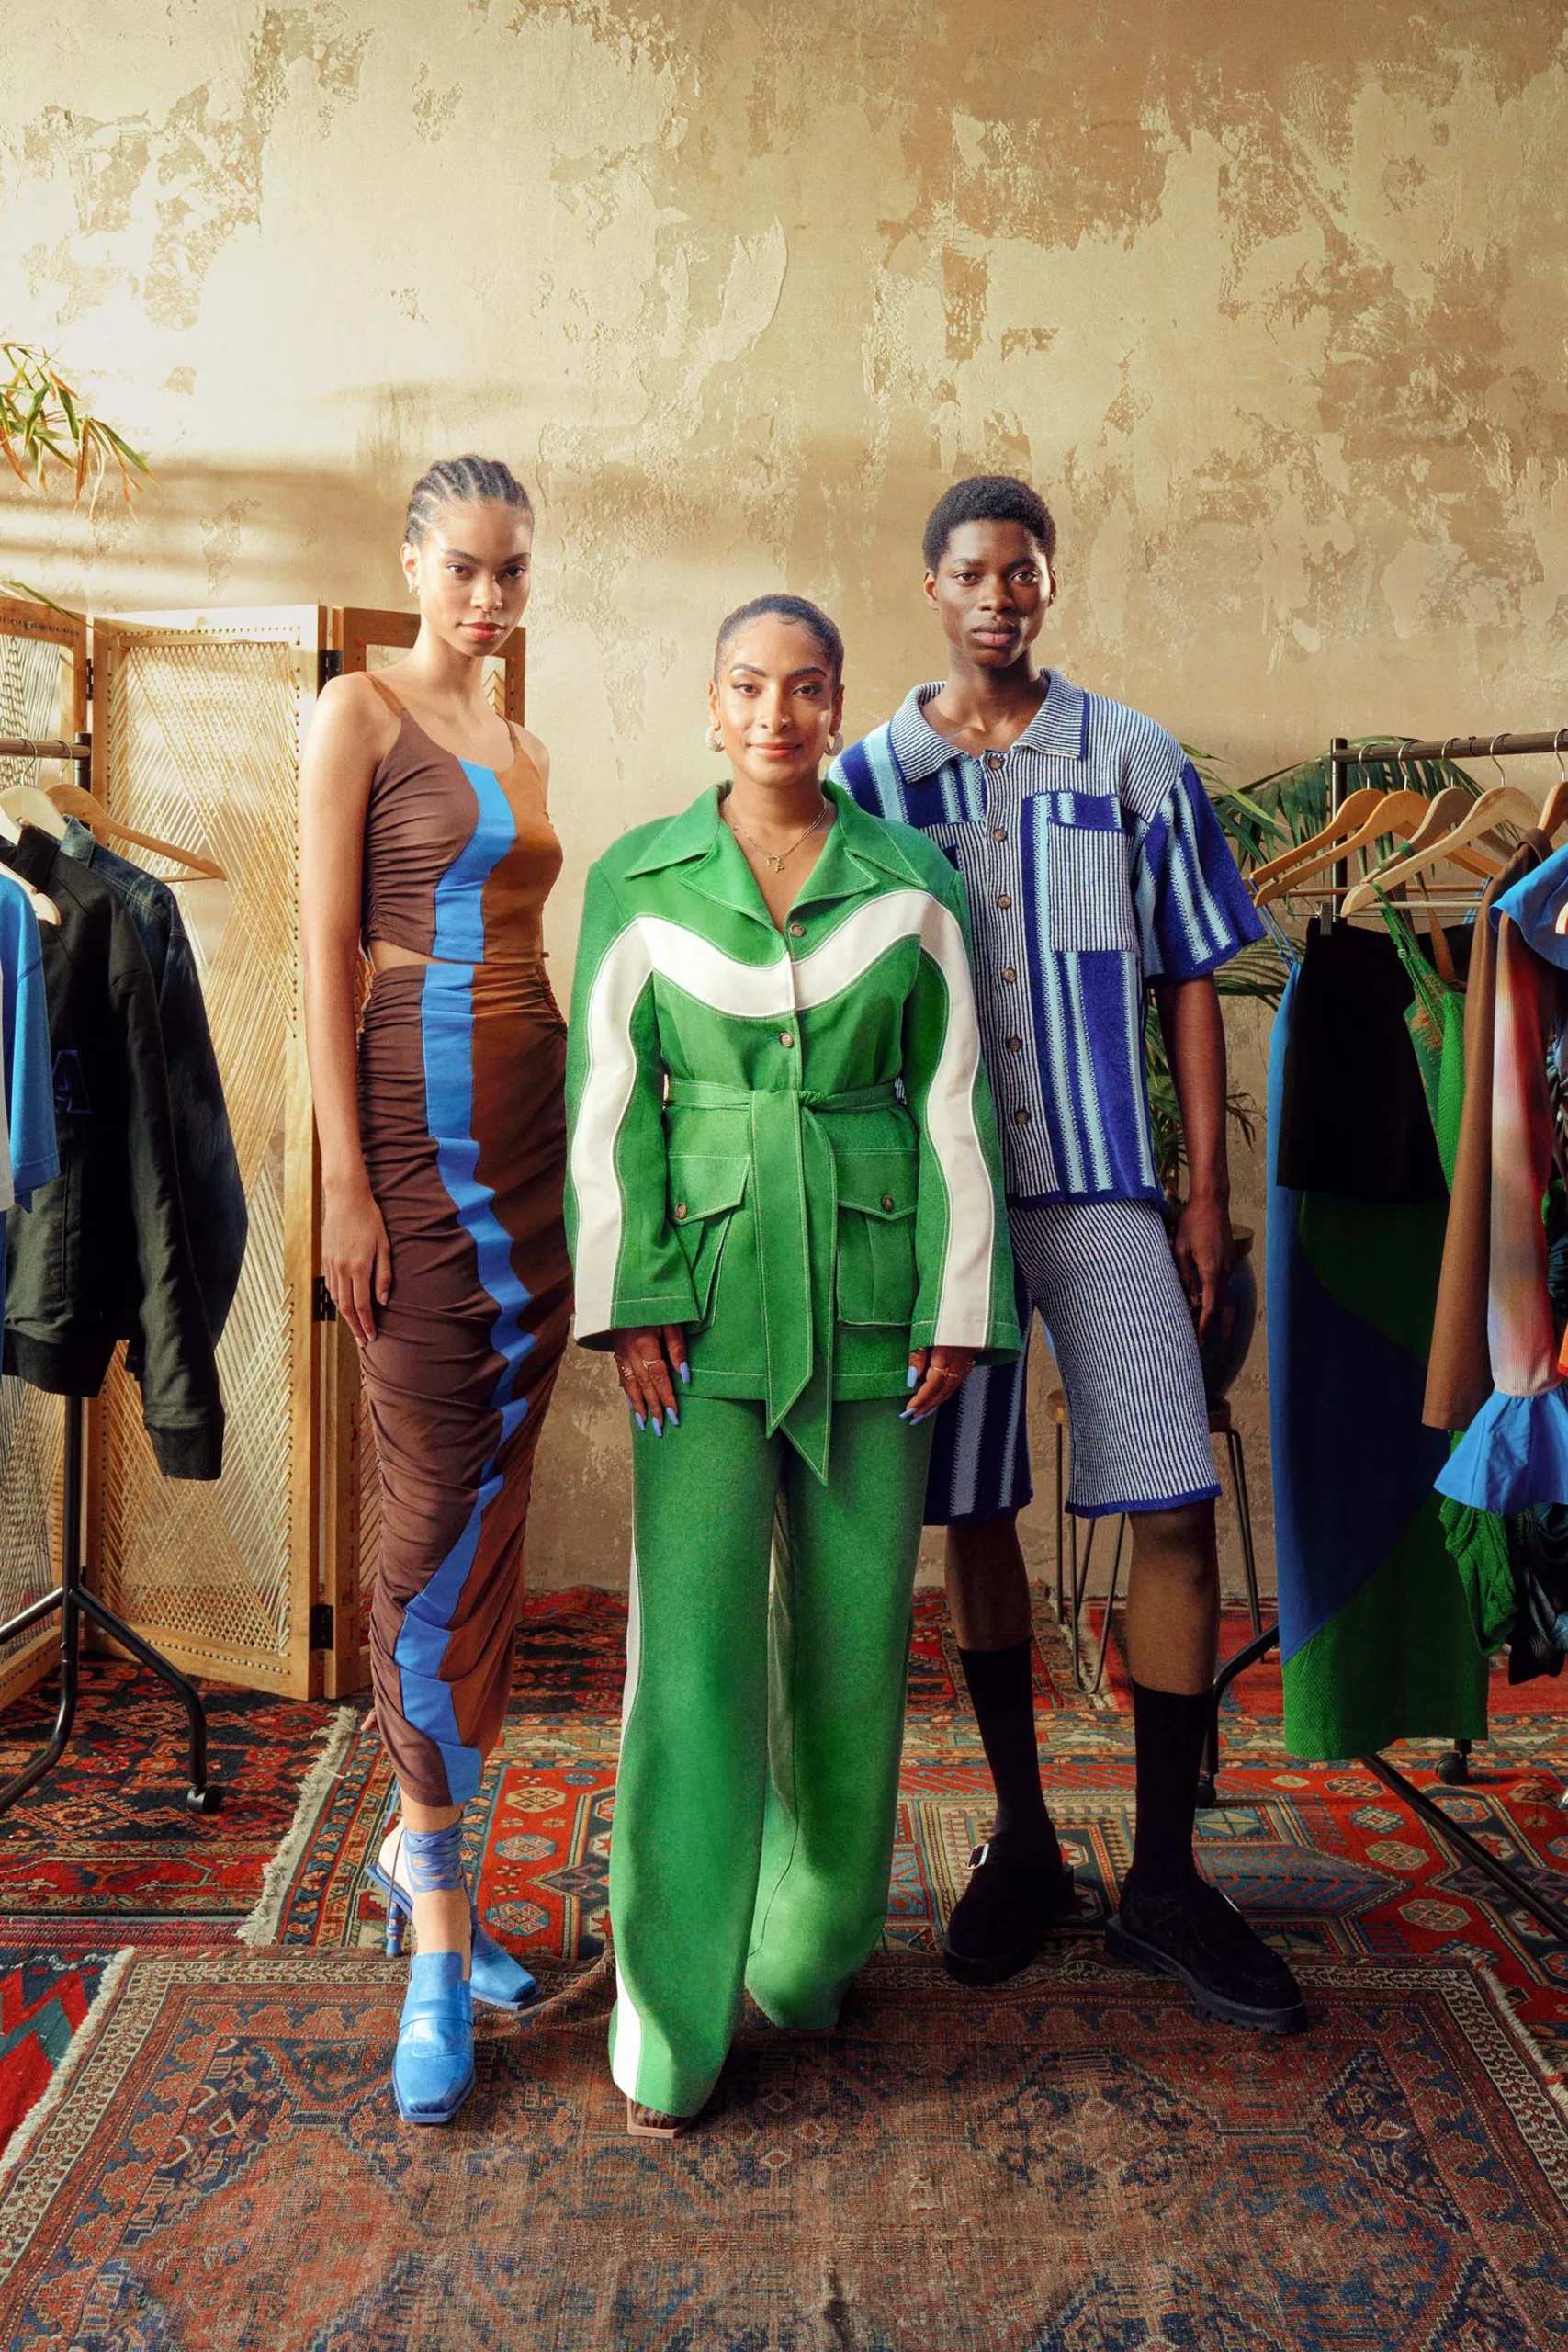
{"x": 1094, "y": 865}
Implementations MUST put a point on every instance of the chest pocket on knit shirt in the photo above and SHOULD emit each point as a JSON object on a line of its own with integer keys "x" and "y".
{"x": 1089, "y": 890}
{"x": 876, "y": 1236}
{"x": 706, "y": 1192}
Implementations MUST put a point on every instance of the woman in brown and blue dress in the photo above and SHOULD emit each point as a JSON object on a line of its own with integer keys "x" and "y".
{"x": 425, "y": 845}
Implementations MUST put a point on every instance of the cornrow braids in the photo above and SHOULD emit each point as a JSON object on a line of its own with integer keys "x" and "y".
{"x": 812, "y": 618}
{"x": 452, "y": 480}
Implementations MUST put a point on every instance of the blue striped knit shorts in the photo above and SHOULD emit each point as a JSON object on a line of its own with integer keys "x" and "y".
{"x": 1101, "y": 1276}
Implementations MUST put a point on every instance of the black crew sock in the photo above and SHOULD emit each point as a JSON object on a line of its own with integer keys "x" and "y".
{"x": 1001, "y": 1687}
{"x": 1168, "y": 1727}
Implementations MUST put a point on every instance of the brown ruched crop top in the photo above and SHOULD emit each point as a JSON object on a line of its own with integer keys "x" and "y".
{"x": 458, "y": 860}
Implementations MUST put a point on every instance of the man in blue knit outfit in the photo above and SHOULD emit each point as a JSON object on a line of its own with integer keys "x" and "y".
{"x": 1096, "y": 871}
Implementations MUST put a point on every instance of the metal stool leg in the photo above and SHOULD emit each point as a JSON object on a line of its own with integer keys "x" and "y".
{"x": 1244, "y": 1523}
{"x": 1110, "y": 1609}
{"x": 1061, "y": 1531}
{"x": 1081, "y": 1567}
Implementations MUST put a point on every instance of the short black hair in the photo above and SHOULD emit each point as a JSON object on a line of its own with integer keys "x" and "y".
{"x": 454, "y": 481}
{"x": 988, "y": 498}
{"x": 830, "y": 644}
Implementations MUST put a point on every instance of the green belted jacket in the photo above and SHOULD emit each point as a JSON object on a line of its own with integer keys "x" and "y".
{"x": 783, "y": 1142}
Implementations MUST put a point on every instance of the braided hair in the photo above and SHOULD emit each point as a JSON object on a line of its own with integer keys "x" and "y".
{"x": 453, "y": 479}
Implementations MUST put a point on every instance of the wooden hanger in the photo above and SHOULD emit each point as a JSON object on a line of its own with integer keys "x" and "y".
{"x": 1398, "y": 812}
{"x": 26, "y": 805}
{"x": 72, "y": 801}
{"x": 42, "y": 906}
{"x": 1352, "y": 812}
{"x": 1504, "y": 805}
{"x": 1554, "y": 816}
{"x": 1444, "y": 813}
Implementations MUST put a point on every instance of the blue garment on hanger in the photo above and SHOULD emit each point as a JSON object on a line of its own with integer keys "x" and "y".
{"x": 1535, "y": 904}
{"x": 24, "y": 1046}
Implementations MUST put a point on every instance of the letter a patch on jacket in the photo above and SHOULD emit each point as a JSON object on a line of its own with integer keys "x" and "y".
{"x": 70, "y": 1086}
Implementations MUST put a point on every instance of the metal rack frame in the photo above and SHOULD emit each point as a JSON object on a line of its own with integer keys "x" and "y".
{"x": 71, "y": 1596}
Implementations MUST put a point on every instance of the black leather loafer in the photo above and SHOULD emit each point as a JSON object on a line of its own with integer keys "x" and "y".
{"x": 1014, "y": 1893}
{"x": 1200, "y": 1937}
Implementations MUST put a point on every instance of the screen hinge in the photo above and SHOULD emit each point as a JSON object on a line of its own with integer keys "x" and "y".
{"x": 321, "y": 1308}
{"x": 320, "y": 1625}
{"x": 329, "y": 664}
{"x": 89, "y": 677}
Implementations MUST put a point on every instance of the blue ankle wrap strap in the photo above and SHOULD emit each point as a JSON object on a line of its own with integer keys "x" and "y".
{"x": 431, "y": 1859}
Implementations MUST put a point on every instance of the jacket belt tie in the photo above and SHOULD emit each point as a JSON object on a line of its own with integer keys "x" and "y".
{"x": 794, "y": 1198}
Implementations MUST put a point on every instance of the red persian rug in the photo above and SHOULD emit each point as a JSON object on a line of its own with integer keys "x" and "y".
{"x": 1073, "y": 2163}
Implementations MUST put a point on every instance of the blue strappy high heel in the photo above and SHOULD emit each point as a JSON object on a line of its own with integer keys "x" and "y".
{"x": 496, "y": 1981}
{"x": 433, "y": 2066}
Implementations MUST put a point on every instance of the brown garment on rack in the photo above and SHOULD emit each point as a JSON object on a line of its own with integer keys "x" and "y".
{"x": 1459, "y": 1367}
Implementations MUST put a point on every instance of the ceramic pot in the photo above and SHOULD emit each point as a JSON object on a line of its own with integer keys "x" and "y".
{"x": 1223, "y": 1348}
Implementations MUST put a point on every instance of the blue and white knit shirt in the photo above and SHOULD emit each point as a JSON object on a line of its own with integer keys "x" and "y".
{"x": 1094, "y": 865}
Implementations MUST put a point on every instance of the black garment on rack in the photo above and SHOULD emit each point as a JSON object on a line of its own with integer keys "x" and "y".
{"x": 103, "y": 1253}
{"x": 1354, "y": 1119}
{"x": 204, "y": 1141}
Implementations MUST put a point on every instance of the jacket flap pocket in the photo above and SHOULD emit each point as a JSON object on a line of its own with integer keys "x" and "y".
{"x": 704, "y": 1184}
{"x": 880, "y": 1184}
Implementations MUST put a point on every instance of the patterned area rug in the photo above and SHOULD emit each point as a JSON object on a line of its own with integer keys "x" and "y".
{"x": 105, "y": 1834}
{"x": 1072, "y": 2164}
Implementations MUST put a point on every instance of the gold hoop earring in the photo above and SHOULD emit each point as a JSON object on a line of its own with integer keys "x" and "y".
{"x": 715, "y": 739}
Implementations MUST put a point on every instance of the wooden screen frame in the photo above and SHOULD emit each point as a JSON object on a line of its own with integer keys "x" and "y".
{"x": 352, "y": 631}
{"x": 296, "y": 1672}
{"x": 21, "y": 616}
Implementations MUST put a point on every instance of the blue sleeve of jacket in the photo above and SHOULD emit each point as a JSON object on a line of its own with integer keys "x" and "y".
{"x": 1194, "y": 911}
{"x": 29, "y": 1063}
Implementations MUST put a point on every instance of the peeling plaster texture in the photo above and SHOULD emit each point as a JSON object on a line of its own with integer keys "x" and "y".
{"x": 1271, "y": 306}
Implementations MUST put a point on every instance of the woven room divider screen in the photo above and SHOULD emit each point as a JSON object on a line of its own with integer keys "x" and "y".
{"x": 43, "y": 692}
{"x": 199, "y": 720}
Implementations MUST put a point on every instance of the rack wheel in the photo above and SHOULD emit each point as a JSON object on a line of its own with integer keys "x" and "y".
{"x": 1453, "y": 1770}
{"x": 207, "y": 1800}
{"x": 1208, "y": 1795}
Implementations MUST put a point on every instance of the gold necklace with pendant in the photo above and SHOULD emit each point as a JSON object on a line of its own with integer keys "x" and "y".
{"x": 778, "y": 864}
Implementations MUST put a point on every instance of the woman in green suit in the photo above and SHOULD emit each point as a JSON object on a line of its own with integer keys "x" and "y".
{"x": 786, "y": 1216}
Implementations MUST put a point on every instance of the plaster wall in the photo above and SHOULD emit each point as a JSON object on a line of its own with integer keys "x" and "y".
{"x": 1271, "y": 305}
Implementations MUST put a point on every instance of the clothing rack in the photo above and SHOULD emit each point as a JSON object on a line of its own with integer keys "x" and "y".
{"x": 71, "y": 1596}
{"x": 1453, "y": 1768}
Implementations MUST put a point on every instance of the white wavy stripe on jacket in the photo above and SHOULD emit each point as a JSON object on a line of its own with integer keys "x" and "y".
{"x": 651, "y": 943}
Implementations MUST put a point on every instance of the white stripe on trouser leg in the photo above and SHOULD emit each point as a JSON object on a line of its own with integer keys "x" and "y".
{"x": 628, "y": 2024}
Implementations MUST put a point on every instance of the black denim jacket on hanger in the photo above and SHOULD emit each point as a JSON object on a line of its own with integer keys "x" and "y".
{"x": 214, "y": 1192}
{"x": 103, "y": 1253}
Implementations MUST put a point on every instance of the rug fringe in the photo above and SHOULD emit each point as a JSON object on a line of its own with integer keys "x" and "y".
{"x": 1552, "y": 2078}
{"x": 38, "y": 2115}
{"x": 261, "y": 1927}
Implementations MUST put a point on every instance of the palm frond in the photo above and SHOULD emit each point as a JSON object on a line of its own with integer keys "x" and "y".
{"x": 45, "y": 424}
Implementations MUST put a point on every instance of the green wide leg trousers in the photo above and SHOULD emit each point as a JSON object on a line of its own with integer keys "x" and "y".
{"x": 758, "y": 1788}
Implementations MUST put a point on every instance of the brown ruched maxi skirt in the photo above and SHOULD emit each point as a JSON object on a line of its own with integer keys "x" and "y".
{"x": 461, "y": 1074}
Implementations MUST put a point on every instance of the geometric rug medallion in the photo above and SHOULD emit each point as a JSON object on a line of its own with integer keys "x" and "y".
{"x": 1070, "y": 2163}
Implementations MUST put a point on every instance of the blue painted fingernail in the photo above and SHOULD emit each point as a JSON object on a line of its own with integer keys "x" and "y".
{"x": 686, "y": 1374}
{"x": 657, "y": 1427}
{"x": 906, "y": 1415}
{"x": 673, "y": 1416}
{"x": 914, "y": 1376}
{"x": 639, "y": 1418}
